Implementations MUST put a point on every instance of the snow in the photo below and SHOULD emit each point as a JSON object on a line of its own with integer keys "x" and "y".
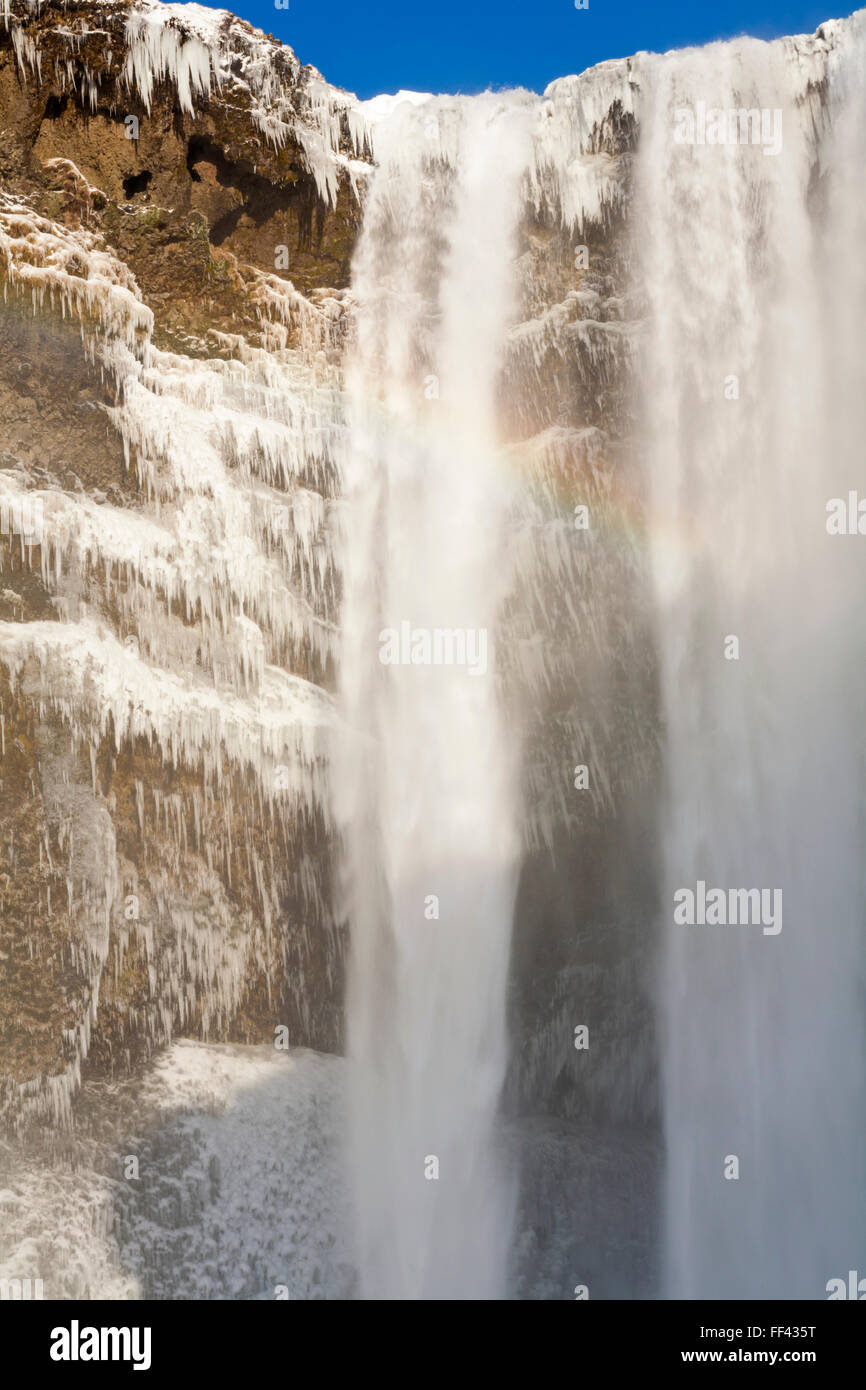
{"x": 240, "y": 1192}
{"x": 237, "y": 457}
{"x": 219, "y": 579}
{"x": 199, "y": 50}
{"x": 157, "y": 50}
{"x": 40, "y": 256}
{"x": 382, "y": 107}
{"x": 225, "y": 575}
{"x": 98, "y": 684}
{"x": 202, "y": 52}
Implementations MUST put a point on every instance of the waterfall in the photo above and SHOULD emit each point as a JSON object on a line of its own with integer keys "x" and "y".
{"x": 754, "y": 415}
{"x": 471, "y": 655}
{"x": 427, "y": 781}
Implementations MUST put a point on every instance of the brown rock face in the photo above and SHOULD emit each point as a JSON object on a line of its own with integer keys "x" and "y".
{"x": 144, "y": 893}
{"x": 173, "y": 200}
{"x": 77, "y": 100}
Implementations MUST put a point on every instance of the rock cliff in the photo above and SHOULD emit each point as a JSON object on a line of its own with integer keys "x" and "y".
{"x": 179, "y": 201}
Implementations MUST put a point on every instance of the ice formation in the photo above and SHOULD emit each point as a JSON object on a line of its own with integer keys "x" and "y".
{"x": 417, "y": 448}
{"x": 183, "y": 619}
{"x": 199, "y": 51}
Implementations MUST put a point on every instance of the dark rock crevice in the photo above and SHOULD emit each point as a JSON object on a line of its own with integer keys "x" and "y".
{"x": 55, "y": 106}
{"x": 134, "y": 184}
{"x": 261, "y": 198}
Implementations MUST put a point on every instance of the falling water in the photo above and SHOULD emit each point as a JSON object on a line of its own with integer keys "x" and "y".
{"x": 755, "y": 389}
{"x": 416, "y": 448}
{"x": 427, "y": 785}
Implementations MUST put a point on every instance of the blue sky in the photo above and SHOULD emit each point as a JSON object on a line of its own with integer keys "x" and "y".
{"x": 375, "y": 46}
